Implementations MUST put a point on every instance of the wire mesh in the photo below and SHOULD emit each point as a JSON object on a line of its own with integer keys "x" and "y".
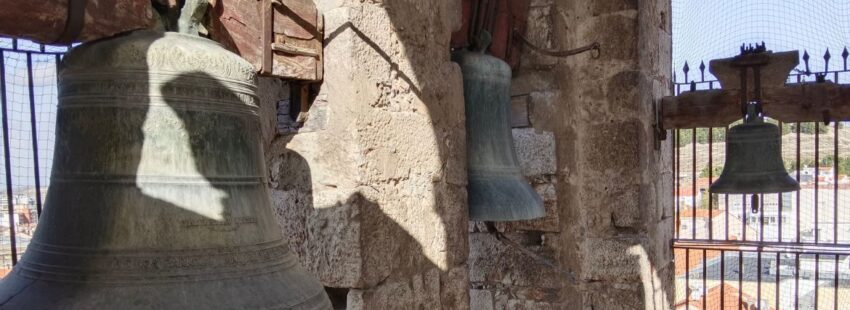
{"x": 794, "y": 253}
{"x": 29, "y": 98}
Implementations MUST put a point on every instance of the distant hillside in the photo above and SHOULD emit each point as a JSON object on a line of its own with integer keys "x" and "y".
{"x": 789, "y": 149}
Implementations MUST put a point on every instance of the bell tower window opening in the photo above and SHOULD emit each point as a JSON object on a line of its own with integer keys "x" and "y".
{"x": 793, "y": 249}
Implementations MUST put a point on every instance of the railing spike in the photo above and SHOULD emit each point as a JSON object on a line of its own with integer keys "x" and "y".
{"x": 702, "y": 71}
{"x": 844, "y": 55}
{"x": 685, "y": 69}
{"x": 806, "y": 61}
{"x": 826, "y": 57}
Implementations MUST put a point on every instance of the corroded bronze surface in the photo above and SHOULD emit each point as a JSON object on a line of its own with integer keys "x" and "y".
{"x": 158, "y": 196}
{"x": 497, "y": 190}
{"x": 754, "y": 161}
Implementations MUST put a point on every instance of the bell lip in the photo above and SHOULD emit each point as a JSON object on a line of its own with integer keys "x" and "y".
{"x": 722, "y": 187}
{"x": 517, "y": 200}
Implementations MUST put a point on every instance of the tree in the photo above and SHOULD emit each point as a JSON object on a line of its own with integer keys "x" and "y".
{"x": 714, "y": 173}
{"x": 809, "y": 128}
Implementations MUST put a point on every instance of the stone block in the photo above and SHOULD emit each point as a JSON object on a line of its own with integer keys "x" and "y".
{"x": 376, "y": 200}
{"x": 535, "y": 151}
{"x": 613, "y": 259}
{"x": 612, "y": 150}
{"x": 510, "y": 301}
{"x": 609, "y": 207}
{"x": 616, "y": 296}
{"x": 421, "y": 291}
{"x": 491, "y": 262}
{"x": 623, "y": 91}
{"x": 617, "y": 35}
{"x": 480, "y": 300}
{"x": 626, "y": 206}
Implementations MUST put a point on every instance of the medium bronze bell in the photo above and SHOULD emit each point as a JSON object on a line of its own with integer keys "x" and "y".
{"x": 157, "y": 197}
{"x": 754, "y": 161}
{"x": 497, "y": 190}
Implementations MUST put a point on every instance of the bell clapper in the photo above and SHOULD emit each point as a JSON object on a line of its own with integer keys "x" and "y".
{"x": 754, "y": 201}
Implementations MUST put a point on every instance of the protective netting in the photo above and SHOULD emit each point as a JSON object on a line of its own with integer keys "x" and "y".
{"x": 705, "y": 30}
{"x": 30, "y": 98}
{"x": 793, "y": 252}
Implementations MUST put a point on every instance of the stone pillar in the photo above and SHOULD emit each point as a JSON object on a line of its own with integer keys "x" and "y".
{"x": 621, "y": 184}
{"x": 371, "y": 190}
{"x": 584, "y": 135}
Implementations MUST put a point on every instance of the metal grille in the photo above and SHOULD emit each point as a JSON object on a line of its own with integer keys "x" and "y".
{"x": 28, "y": 107}
{"x": 794, "y": 253}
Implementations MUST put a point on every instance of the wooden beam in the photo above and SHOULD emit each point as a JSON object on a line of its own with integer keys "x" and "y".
{"x": 803, "y": 102}
{"x": 44, "y": 20}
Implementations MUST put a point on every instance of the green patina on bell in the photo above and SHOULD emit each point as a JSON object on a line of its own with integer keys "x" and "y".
{"x": 157, "y": 197}
{"x": 497, "y": 189}
{"x": 754, "y": 160}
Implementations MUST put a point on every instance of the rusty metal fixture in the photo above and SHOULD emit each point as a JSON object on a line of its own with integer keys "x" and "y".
{"x": 158, "y": 196}
{"x": 753, "y": 149}
{"x": 66, "y": 21}
{"x": 497, "y": 190}
{"x": 592, "y": 47}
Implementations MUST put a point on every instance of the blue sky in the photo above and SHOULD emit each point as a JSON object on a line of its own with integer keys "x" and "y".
{"x": 18, "y": 108}
{"x": 709, "y": 29}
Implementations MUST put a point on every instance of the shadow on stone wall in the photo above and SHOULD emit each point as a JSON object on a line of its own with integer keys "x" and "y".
{"x": 325, "y": 225}
{"x": 379, "y": 237}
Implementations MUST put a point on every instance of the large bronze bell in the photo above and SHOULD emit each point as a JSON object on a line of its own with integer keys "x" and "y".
{"x": 754, "y": 161}
{"x": 497, "y": 190}
{"x": 158, "y": 196}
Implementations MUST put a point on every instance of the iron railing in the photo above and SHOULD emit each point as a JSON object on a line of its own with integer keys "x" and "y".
{"x": 28, "y": 108}
{"x": 794, "y": 253}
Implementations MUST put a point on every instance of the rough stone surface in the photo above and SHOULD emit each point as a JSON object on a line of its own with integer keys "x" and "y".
{"x": 589, "y": 151}
{"x": 373, "y": 193}
{"x": 481, "y": 300}
{"x": 535, "y": 151}
{"x": 371, "y": 190}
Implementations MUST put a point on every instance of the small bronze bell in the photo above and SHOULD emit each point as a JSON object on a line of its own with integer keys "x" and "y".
{"x": 754, "y": 161}
{"x": 497, "y": 190}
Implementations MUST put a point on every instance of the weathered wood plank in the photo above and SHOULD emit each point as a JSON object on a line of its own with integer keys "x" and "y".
{"x": 237, "y": 25}
{"x": 804, "y": 102}
{"x": 44, "y": 20}
{"x": 281, "y": 38}
{"x": 773, "y": 74}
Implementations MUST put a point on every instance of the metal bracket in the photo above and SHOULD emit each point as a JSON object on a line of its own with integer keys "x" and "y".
{"x": 660, "y": 133}
{"x": 75, "y": 21}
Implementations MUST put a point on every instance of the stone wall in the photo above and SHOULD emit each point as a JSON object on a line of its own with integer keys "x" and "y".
{"x": 371, "y": 190}
{"x": 583, "y": 132}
